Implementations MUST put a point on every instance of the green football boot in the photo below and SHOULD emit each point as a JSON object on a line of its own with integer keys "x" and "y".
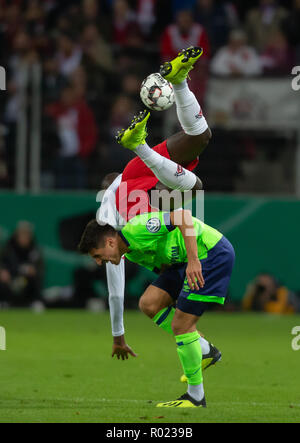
{"x": 136, "y": 134}
{"x": 210, "y": 359}
{"x": 178, "y": 69}
{"x": 185, "y": 401}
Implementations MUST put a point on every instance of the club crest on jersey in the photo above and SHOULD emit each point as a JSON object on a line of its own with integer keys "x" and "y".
{"x": 180, "y": 171}
{"x": 153, "y": 225}
{"x": 200, "y": 115}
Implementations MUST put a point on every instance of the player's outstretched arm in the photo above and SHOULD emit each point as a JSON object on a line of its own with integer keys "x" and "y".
{"x": 183, "y": 219}
{"x": 116, "y": 287}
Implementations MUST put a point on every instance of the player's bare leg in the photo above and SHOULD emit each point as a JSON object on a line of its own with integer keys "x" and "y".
{"x": 184, "y": 148}
{"x": 189, "y": 351}
{"x": 166, "y": 170}
{"x": 158, "y": 305}
{"x": 187, "y": 145}
{"x": 154, "y": 300}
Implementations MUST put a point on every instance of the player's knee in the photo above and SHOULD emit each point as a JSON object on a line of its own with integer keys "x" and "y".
{"x": 176, "y": 328}
{"x": 176, "y": 324}
{"x": 198, "y": 143}
{"x": 198, "y": 185}
{"x": 183, "y": 323}
{"x": 147, "y": 307}
{"x": 205, "y": 137}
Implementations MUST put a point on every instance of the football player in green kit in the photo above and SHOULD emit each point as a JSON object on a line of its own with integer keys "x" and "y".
{"x": 194, "y": 262}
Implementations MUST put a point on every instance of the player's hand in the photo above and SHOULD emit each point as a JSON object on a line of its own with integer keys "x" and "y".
{"x": 194, "y": 275}
{"x": 121, "y": 349}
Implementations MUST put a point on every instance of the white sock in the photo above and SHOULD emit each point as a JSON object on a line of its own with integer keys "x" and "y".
{"x": 196, "y": 391}
{"x": 168, "y": 172}
{"x": 205, "y": 346}
{"x": 188, "y": 110}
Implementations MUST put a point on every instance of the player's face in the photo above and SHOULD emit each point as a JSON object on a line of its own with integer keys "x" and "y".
{"x": 108, "y": 253}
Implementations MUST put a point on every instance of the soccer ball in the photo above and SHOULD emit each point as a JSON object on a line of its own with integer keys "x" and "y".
{"x": 157, "y": 93}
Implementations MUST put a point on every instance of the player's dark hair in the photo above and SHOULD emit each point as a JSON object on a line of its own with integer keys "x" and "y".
{"x": 93, "y": 236}
{"x": 109, "y": 179}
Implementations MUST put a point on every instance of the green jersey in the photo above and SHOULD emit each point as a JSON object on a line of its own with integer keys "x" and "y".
{"x": 155, "y": 243}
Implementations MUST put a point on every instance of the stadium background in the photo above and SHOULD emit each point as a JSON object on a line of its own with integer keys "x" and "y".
{"x": 85, "y": 60}
{"x": 90, "y": 57}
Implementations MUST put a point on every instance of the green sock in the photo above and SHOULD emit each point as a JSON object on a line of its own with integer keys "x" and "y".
{"x": 190, "y": 355}
{"x": 164, "y": 318}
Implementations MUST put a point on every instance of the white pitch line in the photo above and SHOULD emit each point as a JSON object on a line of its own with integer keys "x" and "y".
{"x": 153, "y": 402}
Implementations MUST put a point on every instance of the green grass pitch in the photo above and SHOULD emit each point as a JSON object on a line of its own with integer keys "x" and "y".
{"x": 58, "y": 368}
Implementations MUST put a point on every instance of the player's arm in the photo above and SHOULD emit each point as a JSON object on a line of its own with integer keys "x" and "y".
{"x": 184, "y": 221}
{"x": 115, "y": 274}
{"x": 116, "y": 287}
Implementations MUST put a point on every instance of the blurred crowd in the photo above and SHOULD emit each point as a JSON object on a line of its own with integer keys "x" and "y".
{"x": 95, "y": 53}
{"x": 21, "y": 269}
{"x": 23, "y": 266}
